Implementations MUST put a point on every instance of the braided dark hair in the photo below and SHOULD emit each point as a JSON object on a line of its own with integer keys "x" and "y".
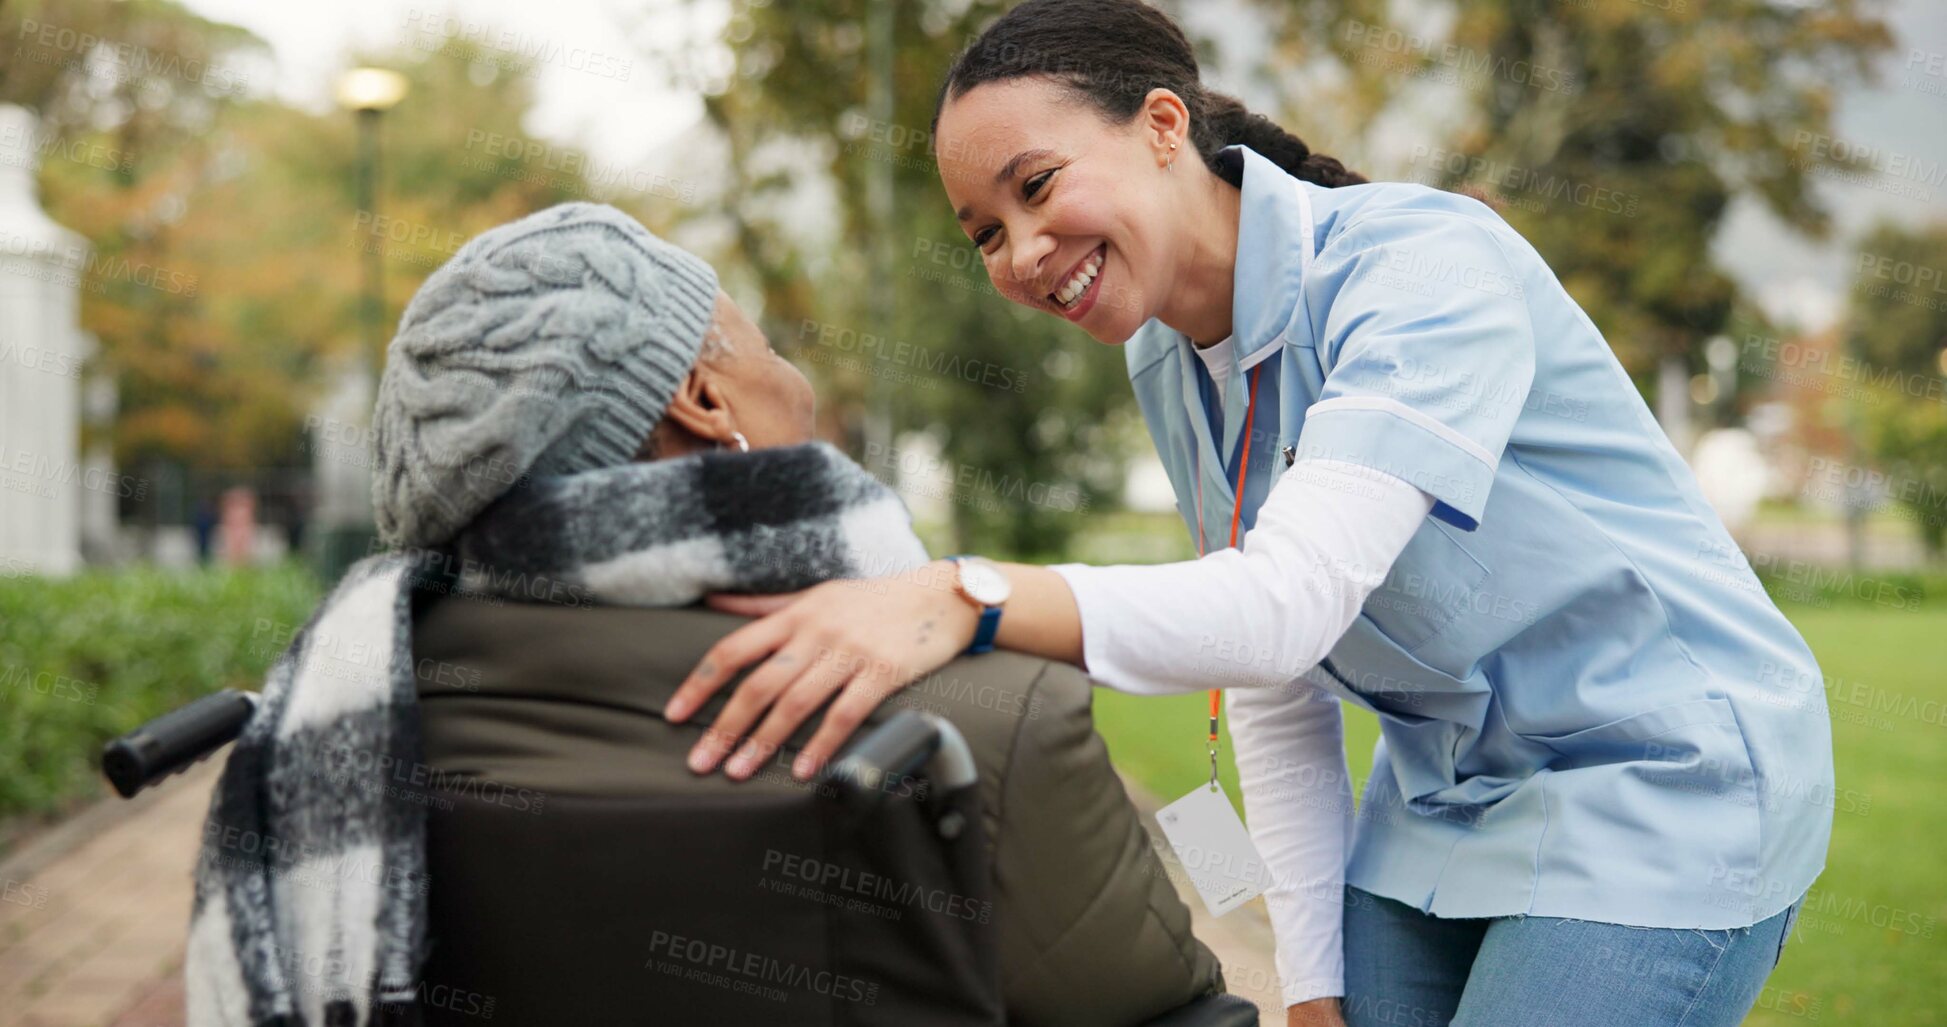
{"x": 1113, "y": 52}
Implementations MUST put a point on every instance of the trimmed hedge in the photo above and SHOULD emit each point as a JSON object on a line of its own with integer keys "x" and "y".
{"x": 1806, "y": 585}
{"x": 87, "y": 658}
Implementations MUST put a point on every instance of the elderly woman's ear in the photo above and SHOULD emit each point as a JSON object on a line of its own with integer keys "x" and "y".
{"x": 698, "y": 418}
{"x": 738, "y": 388}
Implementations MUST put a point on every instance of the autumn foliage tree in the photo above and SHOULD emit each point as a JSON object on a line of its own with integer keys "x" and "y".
{"x": 224, "y": 282}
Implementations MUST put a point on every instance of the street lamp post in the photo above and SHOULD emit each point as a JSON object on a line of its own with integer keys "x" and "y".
{"x": 369, "y": 93}
{"x": 341, "y": 452}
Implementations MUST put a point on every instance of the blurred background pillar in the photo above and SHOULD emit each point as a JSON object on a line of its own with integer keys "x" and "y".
{"x": 41, "y": 349}
{"x": 341, "y": 424}
{"x": 100, "y": 516}
{"x": 1673, "y": 402}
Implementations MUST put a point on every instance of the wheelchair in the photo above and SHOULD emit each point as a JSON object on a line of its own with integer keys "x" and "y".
{"x": 720, "y": 952}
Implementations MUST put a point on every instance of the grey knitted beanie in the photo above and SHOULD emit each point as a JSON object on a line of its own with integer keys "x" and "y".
{"x": 550, "y": 345}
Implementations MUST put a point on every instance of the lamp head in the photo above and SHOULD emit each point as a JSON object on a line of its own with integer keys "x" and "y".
{"x": 370, "y": 89}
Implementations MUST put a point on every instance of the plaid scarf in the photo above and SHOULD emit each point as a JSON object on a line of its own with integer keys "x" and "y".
{"x": 311, "y": 887}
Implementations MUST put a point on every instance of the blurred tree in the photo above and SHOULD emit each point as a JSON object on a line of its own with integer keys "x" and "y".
{"x": 226, "y": 274}
{"x": 1615, "y": 133}
{"x": 1898, "y": 309}
{"x": 123, "y": 91}
{"x": 1612, "y": 133}
{"x": 135, "y": 74}
{"x": 894, "y": 315}
{"x": 1897, "y": 331}
{"x": 1032, "y": 417}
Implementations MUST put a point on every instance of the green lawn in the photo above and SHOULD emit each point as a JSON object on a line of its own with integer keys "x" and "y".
{"x": 1870, "y": 948}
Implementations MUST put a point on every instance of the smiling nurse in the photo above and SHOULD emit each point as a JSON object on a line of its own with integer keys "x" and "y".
{"x": 1603, "y": 779}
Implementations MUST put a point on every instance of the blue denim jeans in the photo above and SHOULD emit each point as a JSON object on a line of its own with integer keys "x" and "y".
{"x": 1405, "y": 968}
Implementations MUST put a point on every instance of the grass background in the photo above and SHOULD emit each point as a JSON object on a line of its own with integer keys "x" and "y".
{"x": 1870, "y": 947}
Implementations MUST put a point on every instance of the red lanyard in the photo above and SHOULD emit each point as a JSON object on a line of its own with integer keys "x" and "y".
{"x": 1236, "y": 518}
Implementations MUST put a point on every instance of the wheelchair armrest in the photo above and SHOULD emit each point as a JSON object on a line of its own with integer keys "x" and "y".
{"x": 1220, "y": 1010}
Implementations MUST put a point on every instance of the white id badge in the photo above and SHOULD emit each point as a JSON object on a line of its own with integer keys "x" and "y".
{"x": 1215, "y": 849}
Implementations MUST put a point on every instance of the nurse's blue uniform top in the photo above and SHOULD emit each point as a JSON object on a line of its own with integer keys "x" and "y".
{"x": 1589, "y": 706}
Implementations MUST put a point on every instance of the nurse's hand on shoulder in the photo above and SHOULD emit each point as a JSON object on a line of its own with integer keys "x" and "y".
{"x": 861, "y": 640}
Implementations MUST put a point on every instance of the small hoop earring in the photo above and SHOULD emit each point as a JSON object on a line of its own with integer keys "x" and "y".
{"x": 743, "y": 444}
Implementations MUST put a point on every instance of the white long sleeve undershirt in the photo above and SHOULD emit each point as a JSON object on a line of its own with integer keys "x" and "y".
{"x": 1253, "y": 620}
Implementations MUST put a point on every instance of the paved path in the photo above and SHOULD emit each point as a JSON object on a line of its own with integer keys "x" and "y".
{"x": 1243, "y": 943}
{"x": 95, "y": 910}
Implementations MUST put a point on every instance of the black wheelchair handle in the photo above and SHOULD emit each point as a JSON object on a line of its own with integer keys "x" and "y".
{"x": 898, "y": 750}
{"x": 174, "y": 741}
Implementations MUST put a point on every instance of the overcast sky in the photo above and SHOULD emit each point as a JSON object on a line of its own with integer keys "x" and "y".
{"x": 599, "y": 92}
{"x": 1903, "y": 122}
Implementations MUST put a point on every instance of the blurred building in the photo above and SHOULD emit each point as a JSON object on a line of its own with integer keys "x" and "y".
{"x": 42, "y": 349}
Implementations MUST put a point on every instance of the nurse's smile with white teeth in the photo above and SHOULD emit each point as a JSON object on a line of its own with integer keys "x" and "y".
{"x": 1079, "y": 285}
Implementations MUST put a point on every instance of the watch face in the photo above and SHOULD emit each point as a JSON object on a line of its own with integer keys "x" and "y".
{"x": 983, "y": 582}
